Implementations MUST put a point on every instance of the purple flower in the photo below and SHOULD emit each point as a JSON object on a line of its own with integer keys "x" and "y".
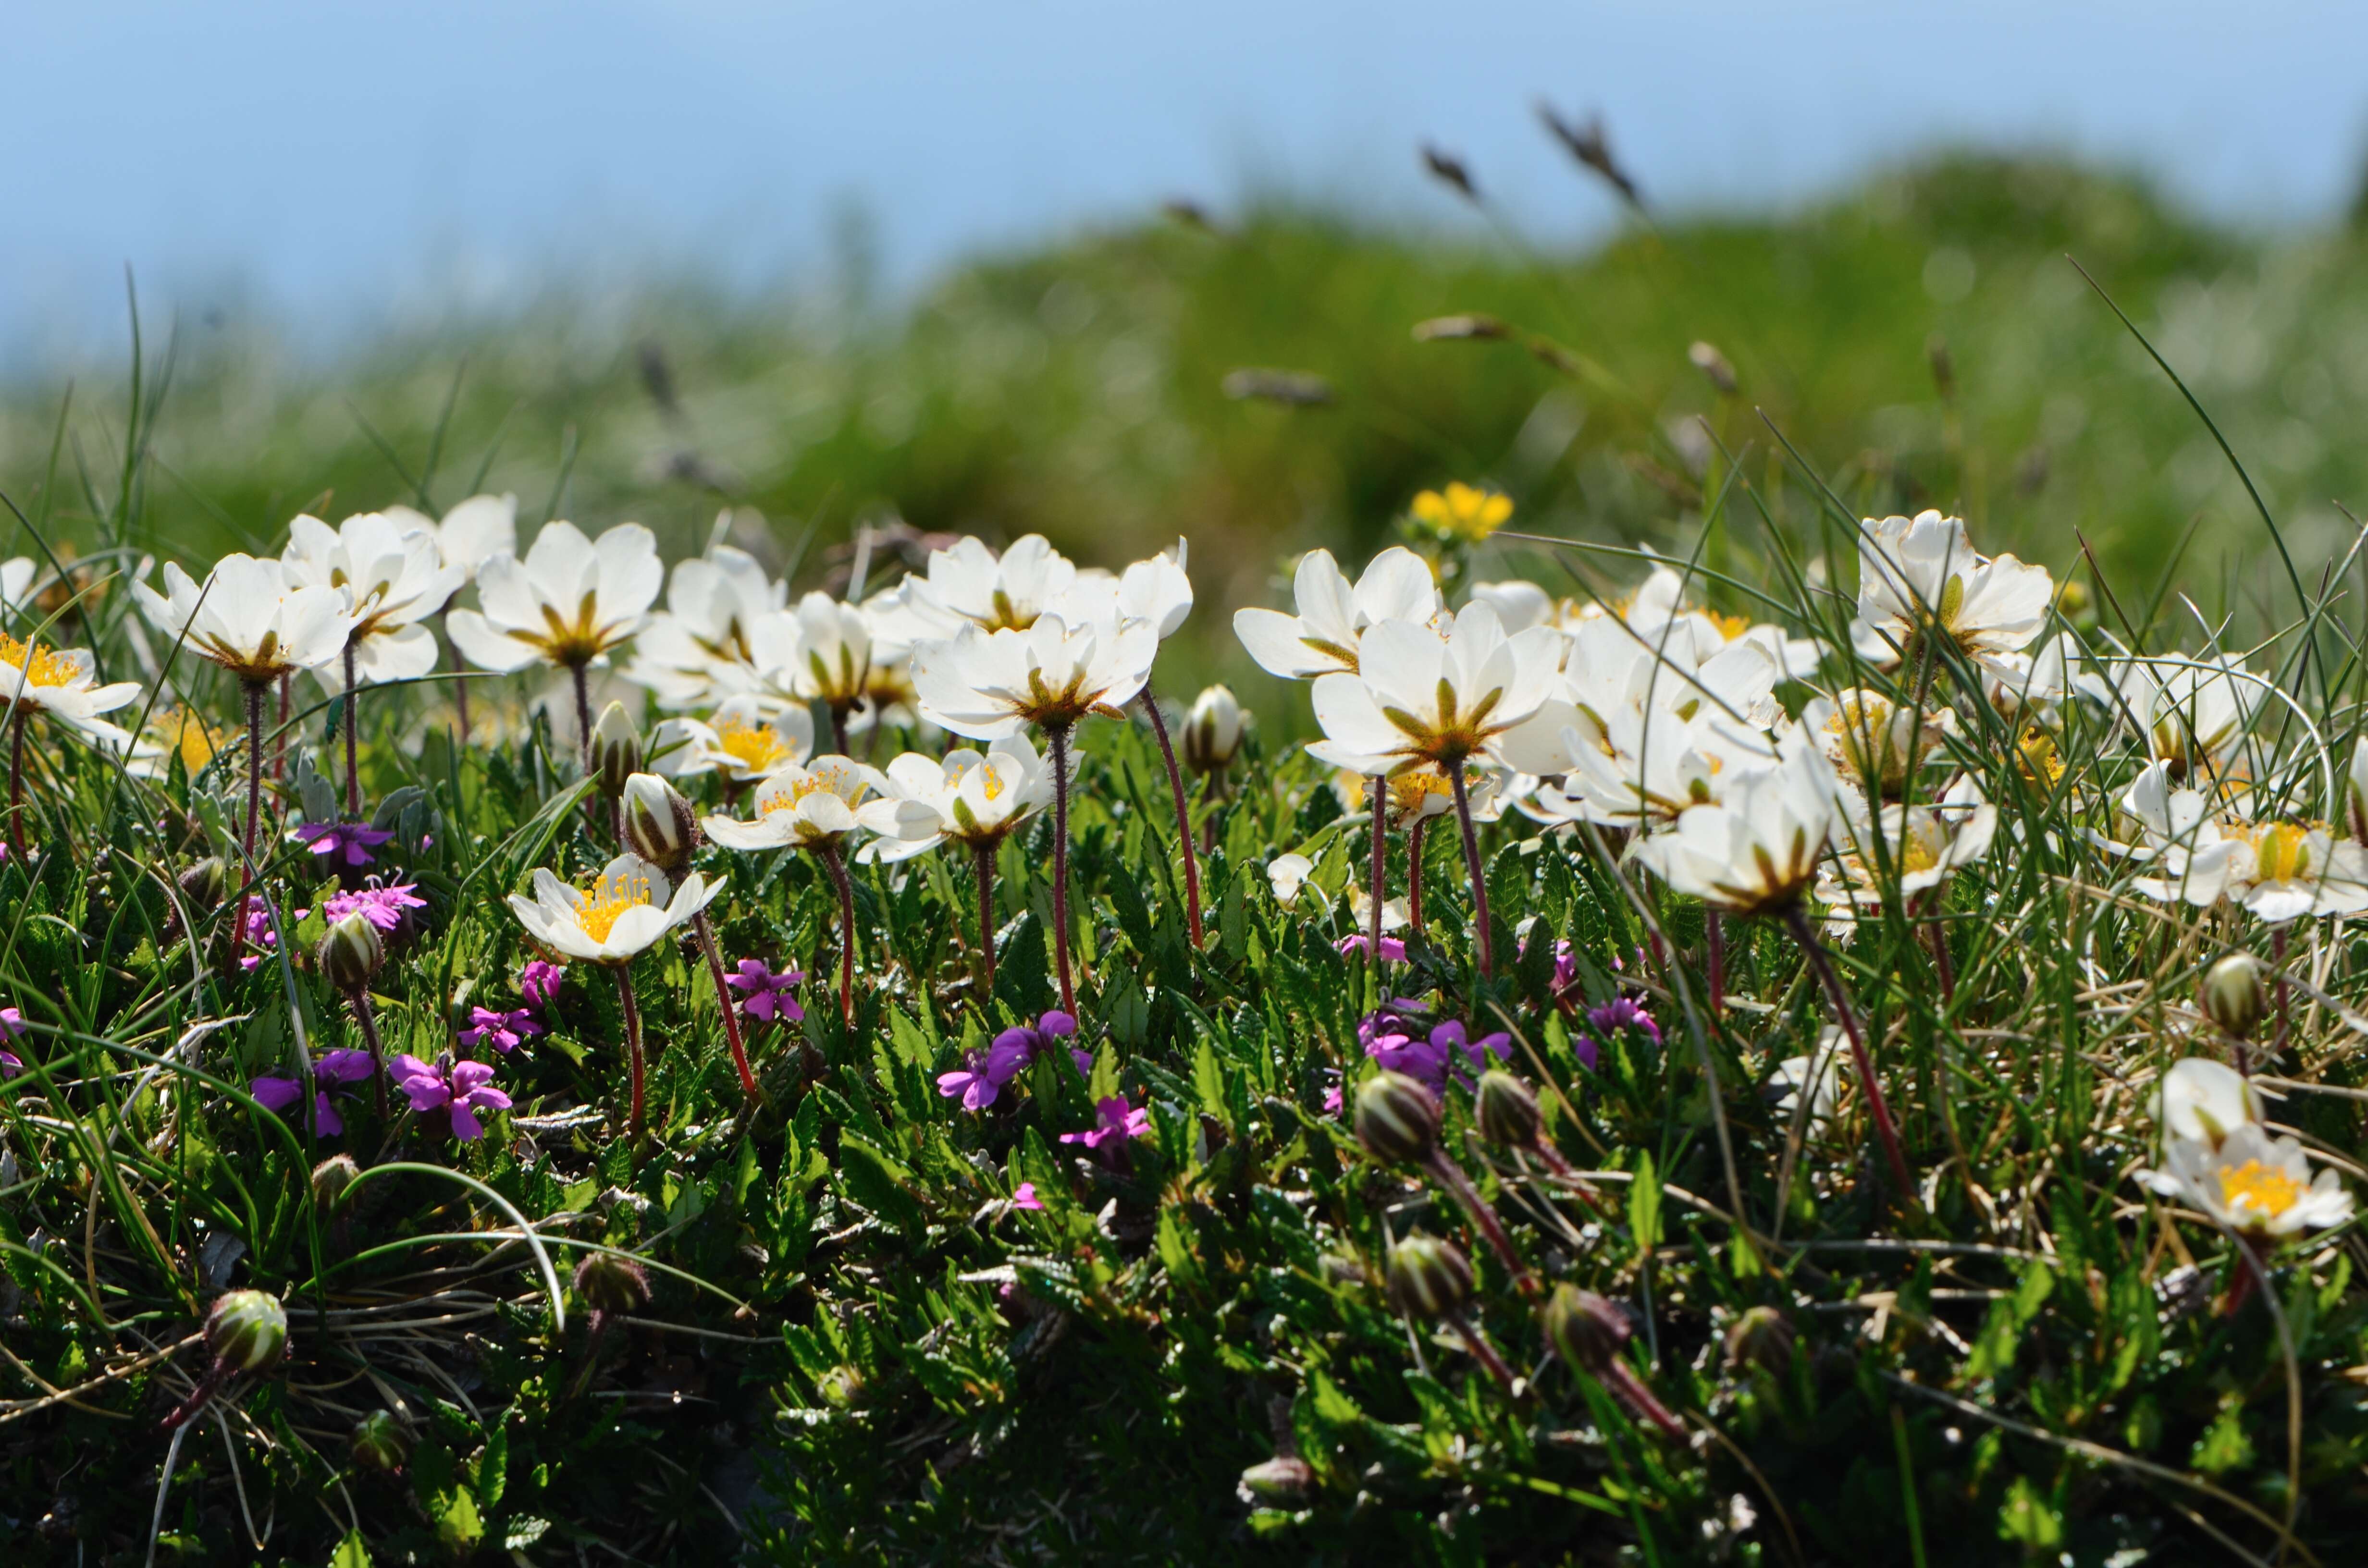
{"x": 1393, "y": 948}
{"x": 765, "y": 990}
{"x": 458, "y": 1088}
{"x": 1019, "y": 1044}
{"x": 381, "y": 906}
{"x": 334, "y": 1069}
{"x": 1118, "y": 1120}
{"x": 12, "y": 1023}
{"x": 1608, "y": 1020}
{"x": 1452, "y": 1039}
{"x": 975, "y": 1081}
{"x": 1391, "y": 1041}
{"x": 538, "y": 983}
{"x": 503, "y": 1031}
{"x": 350, "y": 841}
{"x": 1333, "y": 1101}
{"x": 1024, "y": 1197}
{"x": 260, "y": 932}
{"x": 10, "y": 1064}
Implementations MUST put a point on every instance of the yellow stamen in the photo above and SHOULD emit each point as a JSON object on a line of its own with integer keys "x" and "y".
{"x": 184, "y": 732}
{"x": 42, "y": 666}
{"x": 991, "y": 784}
{"x": 1730, "y": 626}
{"x": 2258, "y": 1188}
{"x": 757, "y": 748}
{"x": 797, "y": 789}
{"x": 1409, "y": 791}
{"x": 604, "y": 904}
{"x": 2280, "y": 852}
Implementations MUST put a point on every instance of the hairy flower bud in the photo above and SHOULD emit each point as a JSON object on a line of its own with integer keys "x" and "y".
{"x": 1761, "y": 1336}
{"x": 331, "y": 1177}
{"x": 351, "y": 952}
{"x": 608, "y": 1283}
{"x": 616, "y": 750}
{"x": 1586, "y": 1330}
{"x": 660, "y": 826}
{"x": 1430, "y": 1279}
{"x": 840, "y": 1387}
{"x": 379, "y": 1443}
{"x": 204, "y": 884}
{"x": 1507, "y": 1111}
{"x": 1397, "y": 1119}
{"x": 1279, "y": 1479}
{"x": 2232, "y": 996}
{"x": 1213, "y": 730}
{"x": 247, "y": 1331}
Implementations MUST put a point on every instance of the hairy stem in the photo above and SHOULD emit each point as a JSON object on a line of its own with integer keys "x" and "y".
{"x": 705, "y": 930}
{"x": 829, "y": 851}
{"x": 1450, "y": 1176}
{"x": 1183, "y": 816}
{"x": 982, "y": 860}
{"x": 16, "y": 780}
{"x": 1381, "y": 881}
{"x": 253, "y": 773}
{"x": 838, "y": 727}
{"x": 1622, "y": 1380}
{"x": 1797, "y": 920}
{"x": 1715, "y": 929}
{"x": 279, "y": 737}
{"x": 1414, "y": 876}
{"x": 1482, "y": 1351}
{"x": 632, "y": 1011}
{"x": 353, "y": 778}
{"x": 459, "y": 687}
{"x": 1058, "y": 735}
{"x": 1484, "y": 944}
{"x": 359, "y": 999}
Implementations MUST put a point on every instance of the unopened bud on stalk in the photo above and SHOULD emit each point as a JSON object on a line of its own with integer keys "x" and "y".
{"x": 1586, "y": 1330}
{"x": 1506, "y": 1110}
{"x": 2356, "y": 792}
{"x": 840, "y": 1387}
{"x": 204, "y": 884}
{"x": 1397, "y": 1119}
{"x": 1213, "y": 730}
{"x": 608, "y": 1283}
{"x": 1761, "y": 1336}
{"x": 660, "y": 826}
{"x": 331, "y": 1177}
{"x": 2232, "y": 996}
{"x": 378, "y": 1443}
{"x": 1429, "y": 1279}
{"x": 1279, "y": 1479}
{"x": 616, "y": 750}
{"x": 351, "y": 952}
{"x": 247, "y": 1331}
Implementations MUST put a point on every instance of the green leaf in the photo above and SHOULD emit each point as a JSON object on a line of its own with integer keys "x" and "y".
{"x": 1644, "y": 1205}
{"x": 458, "y": 1525}
{"x": 351, "y": 1552}
{"x": 876, "y": 1182}
{"x": 494, "y": 1468}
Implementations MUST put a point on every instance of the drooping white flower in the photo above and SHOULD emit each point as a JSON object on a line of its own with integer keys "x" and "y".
{"x": 1920, "y": 575}
{"x": 800, "y": 807}
{"x": 1419, "y": 695}
{"x": 472, "y": 533}
{"x": 1756, "y": 850}
{"x": 2279, "y": 871}
{"x": 976, "y": 801}
{"x": 58, "y": 681}
{"x": 2252, "y": 1183}
{"x": 723, "y": 626}
{"x": 250, "y": 618}
{"x": 393, "y": 580}
{"x": 569, "y": 603}
{"x": 989, "y": 684}
{"x": 1321, "y": 637}
{"x": 744, "y": 739}
{"x": 626, "y": 910}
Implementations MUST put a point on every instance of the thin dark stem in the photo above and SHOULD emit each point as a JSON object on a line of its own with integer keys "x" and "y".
{"x": 1714, "y": 929}
{"x": 1485, "y": 944}
{"x": 353, "y": 778}
{"x": 582, "y": 716}
{"x": 1944, "y": 964}
{"x": 1482, "y": 1351}
{"x": 1414, "y": 876}
{"x": 705, "y": 930}
{"x": 983, "y": 858}
{"x": 15, "y": 780}
{"x": 1450, "y": 1176}
{"x": 1058, "y": 735}
{"x": 631, "y": 1009}
{"x": 1797, "y": 920}
{"x": 1622, "y": 1380}
{"x": 838, "y": 727}
{"x": 279, "y": 737}
{"x": 838, "y": 870}
{"x": 359, "y": 999}
{"x": 253, "y": 773}
{"x": 1183, "y": 816}
{"x": 1381, "y": 887}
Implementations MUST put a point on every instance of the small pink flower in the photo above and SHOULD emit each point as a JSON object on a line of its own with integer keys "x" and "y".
{"x": 460, "y": 1090}
{"x": 1393, "y": 948}
{"x": 538, "y": 983}
{"x": 765, "y": 990}
{"x": 381, "y": 906}
{"x": 1119, "y": 1121}
{"x": 1025, "y": 1198}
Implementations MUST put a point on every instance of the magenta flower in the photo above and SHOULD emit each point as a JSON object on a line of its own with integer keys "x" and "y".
{"x": 1393, "y": 948}
{"x": 10, "y": 1064}
{"x": 975, "y": 1082}
{"x": 1452, "y": 1039}
{"x": 1019, "y": 1044}
{"x": 1117, "y": 1122}
{"x": 458, "y": 1088}
{"x": 381, "y": 906}
{"x": 503, "y": 1031}
{"x": 259, "y": 932}
{"x": 1606, "y": 1021}
{"x": 1333, "y": 1101}
{"x": 276, "y": 1091}
{"x": 12, "y": 1026}
{"x": 538, "y": 983}
{"x": 765, "y": 990}
{"x": 1025, "y": 1197}
{"x": 348, "y": 841}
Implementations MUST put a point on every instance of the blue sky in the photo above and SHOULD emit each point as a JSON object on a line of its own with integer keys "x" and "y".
{"x": 339, "y": 166}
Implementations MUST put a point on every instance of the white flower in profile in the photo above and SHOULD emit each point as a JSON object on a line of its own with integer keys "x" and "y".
{"x": 744, "y": 739}
{"x": 800, "y": 807}
{"x": 1287, "y": 875}
{"x": 250, "y": 618}
{"x": 989, "y": 684}
{"x": 2278, "y": 870}
{"x": 1824, "y": 1085}
{"x": 569, "y": 603}
{"x": 833, "y": 663}
{"x": 2355, "y": 792}
{"x": 2201, "y": 1100}
{"x": 393, "y": 580}
{"x": 2195, "y": 714}
{"x": 722, "y": 626}
{"x": 967, "y": 582}
{"x": 1156, "y": 591}
{"x": 1519, "y": 604}
{"x": 1420, "y": 695}
{"x": 1915, "y": 848}
{"x": 1322, "y": 638}
{"x": 2254, "y": 1184}
{"x": 626, "y": 910}
{"x": 1920, "y": 575}
{"x": 972, "y": 800}
{"x": 1213, "y": 729}
{"x": 16, "y": 582}
{"x": 1756, "y": 850}
{"x": 58, "y": 681}
{"x": 472, "y": 533}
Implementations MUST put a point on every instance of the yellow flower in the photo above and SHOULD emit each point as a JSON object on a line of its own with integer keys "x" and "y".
{"x": 1464, "y": 512}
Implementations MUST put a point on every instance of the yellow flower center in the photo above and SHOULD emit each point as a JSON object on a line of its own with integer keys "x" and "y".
{"x": 604, "y": 904}
{"x": 798, "y": 790}
{"x": 1730, "y": 626}
{"x": 2036, "y": 755}
{"x": 1409, "y": 791}
{"x": 755, "y": 747}
{"x": 42, "y": 666}
{"x": 990, "y": 783}
{"x": 1464, "y": 511}
{"x": 184, "y": 732}
{"x": 2280, "y": 852}
{"x": 2258, "y": 1188}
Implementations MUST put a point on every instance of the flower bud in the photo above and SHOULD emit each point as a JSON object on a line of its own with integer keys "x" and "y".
{"x": 379, "y": 1443}
{"x": 247, "y": 1331}
{"x": 1761, "y": 1336}
{"x": 840, "y": 1387}
{"x": 1430, "y": 1279}
{"x": 2355, "y": 794}
{"x": 616, "y": 750}
{"x": 1397, "y": 1119}
{"x": 1213, "y": 730}
{"x": 331, "y": 1177}
{"x": 660, "y": 826}
{"x": 2232, "y": 996}
{"x": 611, "y": 1283}
{"x": 1586, "y": 1330}
{"x": 1279, "y": 1480}
{"x": 204, "y": 884}
{"x": 351, "y": 952}
{"x": 1507, "y": 1111}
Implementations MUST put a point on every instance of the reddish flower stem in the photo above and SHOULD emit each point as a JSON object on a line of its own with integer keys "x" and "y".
{"x": 16, "y": 781}
{"x": 631, "y": 1009}
{"x": 1381, "y": 877}
{"x": 705, "y": 931}
{"x": 828, "y": 852}
{"x": 1797, "y": 920}
{"x": 1183, "y": 816}
{"x": 1482, "y": 1351}
{"x": 359, "y": 999}
{"x": 1058, "y": 735}
{"x": 982, "y": 860}
{"x": 1450, "y": 1175}
{"x": 1414, "y": 876}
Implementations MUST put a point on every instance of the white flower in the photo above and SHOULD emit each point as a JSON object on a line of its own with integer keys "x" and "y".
{"x": 968, "y": 583}
{"x": 2203, "y": 1100}
{"x": 1873, "y": 742}
{"x": 742, "y": 740}
{"x": 1921, "y": 574}
{"x": 58, "y": 682}
{"x": 568, "y": 603}
{"x": 1157, "y": 592}
{"x": 723, "y": 626}
{"x": 625, "y": 911}
{"x": 834, "y": 657}
{"x": 250, "y": 618}
{"x": 1921, "y": 846}
{"x": 1322, "y": 638}
{"x": 2279, "y": 871}
{"x": 16, "y": 578}
{"x": 1287, "y": 874}
{"x": 2251, "y": 1182}
{"x": 1520, "y": 604}
{"x": 1421, "y": 793}
{"x": 1395, "y": 914}
{"x": 988, "y": 685}
{"x": 472, "y": 533}
{"x": 1421, "y": 695}
{"x": 1213, "y": 730}
{"x": 2355, "y": 792}
{"x": 1794, "y": 1073}
{"x": 800, "y": 807}
{"x": 393, "y": 580}
{"x": 2195, "y": 713}
{"x": 1757, "y": 849}
{"x": 976, "y": 801}
{"x": 1658, "y": 605}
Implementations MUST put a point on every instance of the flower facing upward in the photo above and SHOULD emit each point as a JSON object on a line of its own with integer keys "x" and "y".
{"x": 972, "y": 800}
{"x": 766, "y": 993}
{"x": 504, "y": 1031}
{"x": 456, "y": 1090}
{"x": 740, "y": 742}
{"x": 331, "y": 1070}
{"x": 1321, "y": 637}
{"x": 969, "y": 583}
{"x": 1914, "y": 849}
{"x": 1873, "y": 742}
{"x": 2251, "y": 1182}
{"x": 1920, "y": 575}
{"x": 1462, "y": 512}
{"x": 472, "y": 533}
{"x": 1418, "y": 696}
{"x": 2195, "y": 714}
{"x": 383, "y": 907}
{"x": 175, "y": 732}
{"x": 250, "y": 617}
{"x": 1755, "y": 851}
{"x": 626, "y": 910}
{"x": 568, "y": 603}
{"x": 1115, "y": 1122}
{"x": 2279, "y": 871}
{"x": 797, "y": 807}
{"x": 394, "y": 579}
{"x": 989, "y": 684}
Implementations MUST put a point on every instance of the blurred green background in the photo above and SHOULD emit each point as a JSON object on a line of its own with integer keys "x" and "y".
{"x": 1923, "y": 339}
